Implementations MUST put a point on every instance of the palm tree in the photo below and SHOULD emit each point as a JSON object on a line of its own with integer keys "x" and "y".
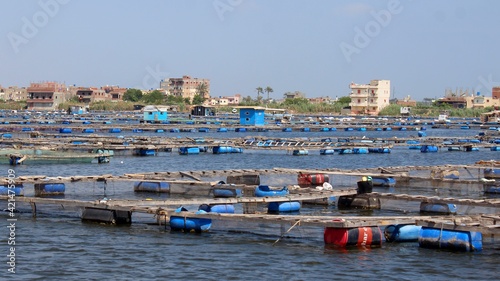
{"x": 268, "y": 90}
{"x": 202, "y": 89}
{"x": 259, "y": 91}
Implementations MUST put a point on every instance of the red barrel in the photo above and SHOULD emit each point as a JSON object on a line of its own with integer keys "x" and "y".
{"x": 359, "y": 236}
{"x": 306, "y": 180}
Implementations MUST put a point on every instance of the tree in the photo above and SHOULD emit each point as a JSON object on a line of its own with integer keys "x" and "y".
{"x": 202, "y": 89}
{"x": 268, "y": 90}
{"x": 132, "y": 95}
{"x": 346, "y": 99}
{"x": 259, "y": 91}
{"x": 198, "y": 99}
{"x": 154, "y": 97}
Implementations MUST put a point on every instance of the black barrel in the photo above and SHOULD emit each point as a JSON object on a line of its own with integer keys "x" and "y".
{"x": 365, "y": 187}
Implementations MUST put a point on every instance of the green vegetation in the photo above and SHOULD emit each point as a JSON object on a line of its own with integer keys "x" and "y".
{"x": 12, "y": 105}
{"x": 133, "y": 95}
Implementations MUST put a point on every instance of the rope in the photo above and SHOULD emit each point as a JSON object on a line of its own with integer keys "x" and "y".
{"x": 296, "y": 223}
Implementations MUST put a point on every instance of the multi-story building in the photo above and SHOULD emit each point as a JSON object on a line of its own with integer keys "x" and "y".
{"x": 13, "y": 93}
{"x": 115, "y": 93}
{"x": 46, "y": 95}
{"x": 186, "y": 87}
{"x": 91, "y": 94}
{"x": 495, "y": 92}
{"x": 370, "y": 98}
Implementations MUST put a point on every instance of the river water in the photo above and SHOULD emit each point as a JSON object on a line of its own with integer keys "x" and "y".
{"x": 57, "y": 245}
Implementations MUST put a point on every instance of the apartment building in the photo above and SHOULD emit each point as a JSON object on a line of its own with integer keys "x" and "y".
{"x": 46, "y": 95}
{"x": 369, "y": 99}
{"x": 186, "y": 87}
{"x": 91, "y": 94}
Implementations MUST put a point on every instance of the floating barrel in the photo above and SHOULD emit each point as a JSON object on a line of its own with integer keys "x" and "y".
{"x": 247, "y": 179}
{"x": 428, "y": 148}
{"x": 379, "y": 150}
{"x": 65, "y": 122}
{"x": 16, "y": 189}
{"x": 189, "y": 150}
{"x": 362, "y": 129}
{"x": 378, "y": 129}
{"x": 387, "y": 129}
{"x": 305, "y": 180}
{"x": 42, "y": 189}
{"x": 115, "y": 130}
{"x": 203, "y": 130}
{"x": 226, "y": 192}
{"x": 218, "y": 208}
{"x": 278, "y": 207}
{"x": 88, "y": 131}
{"x": 109, "y": 216}
{"x": 152, "y": 186}
{"x": 437, "y": 238}
{"x": 226, "y": 149}
{"x": 146, "y": 151}
{"x": 7, "y": 136}
{"x": 440, "y": 208}
{"x": 305, "y": 129}
{"x": 27, "y": 129}
{"x": 189, "y": 224}
{"x": 359, "y": 236}
{"x": 490, "y": 173}
{"x": 300, "y": 152}
{"x": 241, "y": 130}
{"x": 333, "y": 129}
{"x": 137, "y": 130}
{"x": 383, "y": 181}
{"x": 324, "y": 129}
{"x": 265, "y": 191}
{"x": 175, "y": 130}
{"x": 348, "y": 129}
{"x": 86, "y": 122}
{"x": 402, "y": 129}
{"x": 65, "y": 130}
{"x": 222, "y": 130}
{"x": 358, "y": 202}
{"x": 422, "y": 134}
{"x": 495, "y": 148}
{"x": 402, "y": 233}
{"x": 327, "y": 151}
{"x": 160, "y": 131}
{"x": 288, "y": 129}
{"x": 365, "y": 186}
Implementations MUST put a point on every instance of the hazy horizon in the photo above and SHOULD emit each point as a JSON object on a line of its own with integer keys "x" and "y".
{"x": 315, "y": 47}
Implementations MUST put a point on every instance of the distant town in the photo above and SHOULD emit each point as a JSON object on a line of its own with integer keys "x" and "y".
{"x": 365, "y": 99}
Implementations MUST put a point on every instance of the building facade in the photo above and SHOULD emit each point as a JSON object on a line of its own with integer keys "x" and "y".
{"x": 88, "y": 95}
{"x": 46, "y": 95}
{"x": 369, "y": 99}
{"x": 495, "y": 92}
{"x": 13, "y": 93}
{"x": 186, "y": 87}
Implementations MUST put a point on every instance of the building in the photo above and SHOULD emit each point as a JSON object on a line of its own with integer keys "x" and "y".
{"x": 13, "y": 93}
{"x": 46, "y": 95}
{"x": 369, "y": 99}
{"x": 88, "y": 95}
{"x": 115, "y": 93}
{"x": 495, "y": 93}
{"x": 201, "y": 110}
{"x": 186, "y": 87}
{"x": 155, "y": 114}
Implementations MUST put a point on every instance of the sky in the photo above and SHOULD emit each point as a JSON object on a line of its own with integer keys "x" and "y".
{"x": 317, "y": 47}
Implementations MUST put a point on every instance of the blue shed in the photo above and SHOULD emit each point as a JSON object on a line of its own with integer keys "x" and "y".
{"x": 254, "y": 116}
{"x": 155, "y": 114}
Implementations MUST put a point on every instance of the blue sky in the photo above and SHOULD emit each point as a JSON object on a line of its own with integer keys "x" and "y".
{"x": 316, "y": 47}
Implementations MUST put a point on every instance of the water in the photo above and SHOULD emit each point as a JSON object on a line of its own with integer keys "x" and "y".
{"x": 58, "y": 246}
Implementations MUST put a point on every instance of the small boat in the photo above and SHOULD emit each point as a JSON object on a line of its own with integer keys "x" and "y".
{"x": 189, "y": 224}
{"x": 266, "y": 191}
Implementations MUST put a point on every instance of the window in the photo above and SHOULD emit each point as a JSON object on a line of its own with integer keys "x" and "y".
{"x": 359, "y": 91}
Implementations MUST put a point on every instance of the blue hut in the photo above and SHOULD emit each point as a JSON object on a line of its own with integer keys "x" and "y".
{"x": 201, "y": 110}
{"x": 155, "y": 114}
{"x": 254, "y": 116}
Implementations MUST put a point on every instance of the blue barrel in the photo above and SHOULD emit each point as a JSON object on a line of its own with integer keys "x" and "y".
{"x": 203, "y": 130}
{"x": 324, "y": 129}
{"x": 86, "y": 122}
{"x": 189, "y": 150}
{"x": 362, "y": 129}
{"x": 288, "y": 129}
{"x": 226, "y": 192}
{"x": 42, "y": 189}
{"x": 17, "y": 189}
{"x": 115, "y": 130}
{"x": 7, "y": 136}
{"x": 222, "y": 130}
{"x": 218, "y": 208}
{"x": 278, "y": 207}
{"x": 333, "y": 129}
{"x": 27, "y": 129}
{"x": 159, "y": 131}
{"x": 326, "y": 151}
{"x": 188, "y": 224}
{"x": 88, "y": 131}
{"x": 428, "y": 148}
{"x": 147, "y": 186}
{"x": 437, "y": 238}
{"x": 241, "y": 130}
{"x": 305, "y": 129}
{"x": 402, "y": 233}
{"x": 422, "y": 134}
{"x": 439, "y": 208}
{"x": 65, "y": 130}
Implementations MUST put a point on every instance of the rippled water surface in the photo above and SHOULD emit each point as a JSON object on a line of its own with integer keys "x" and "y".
{"x": 57, "y": 245}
